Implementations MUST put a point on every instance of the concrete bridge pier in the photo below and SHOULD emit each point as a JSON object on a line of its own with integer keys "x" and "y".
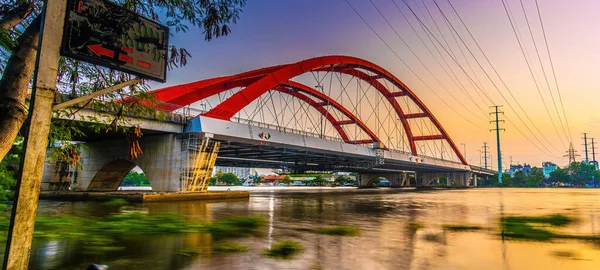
{"x": 460, "y": 179}
{"x": 107, "y": 162}
{"x": 396, "y": 179}
{"x": 401, "y": 179}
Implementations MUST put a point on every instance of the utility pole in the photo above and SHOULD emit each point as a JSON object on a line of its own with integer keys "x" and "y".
{"x": 27, "y": 190}
{"x": 485, "y": 155}
{"x": 497, "y": 129}
{"x": 585, "y": 145}
{"x": 594, "y": 161}
{"x": 480, "y": 157}
{"x": 593, "y": 151}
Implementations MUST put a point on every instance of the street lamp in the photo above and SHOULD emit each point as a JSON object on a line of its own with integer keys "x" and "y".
{"x": 464, "y": 149}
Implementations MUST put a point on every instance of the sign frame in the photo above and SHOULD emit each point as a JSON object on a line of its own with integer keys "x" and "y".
{"x": 102, "y": 56}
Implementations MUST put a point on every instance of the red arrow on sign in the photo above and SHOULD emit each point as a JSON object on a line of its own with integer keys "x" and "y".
{"x": 99, "y": 50}
{"x": 126, "y": 58}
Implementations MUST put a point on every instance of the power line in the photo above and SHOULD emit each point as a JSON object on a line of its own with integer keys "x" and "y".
{"x": 450, "y": 53}
{"x": 497, "y": 74}
{"x": 411, "y": 70}
{"x": 515, "y": 30}
{"x": 460, "y": 66}
{"x": 543, "y": 70}
{"x": 553, "y": 71}
{"x": 425, "y": 66}
{"x": 430, "y": 34}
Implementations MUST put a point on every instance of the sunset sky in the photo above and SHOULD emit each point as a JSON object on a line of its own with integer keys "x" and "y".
{"x": 272, "y": 32}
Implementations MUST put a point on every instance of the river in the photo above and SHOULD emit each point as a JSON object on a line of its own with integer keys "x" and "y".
{"x": 383, "y": 217}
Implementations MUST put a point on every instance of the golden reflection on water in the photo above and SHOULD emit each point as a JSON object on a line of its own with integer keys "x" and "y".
{"x": 386, "y": 241}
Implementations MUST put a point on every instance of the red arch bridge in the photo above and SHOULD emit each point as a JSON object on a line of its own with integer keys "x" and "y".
{"x": 330, "y": 113}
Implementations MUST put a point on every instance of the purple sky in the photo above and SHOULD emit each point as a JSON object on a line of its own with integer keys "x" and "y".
{"x": 272, "y": 32}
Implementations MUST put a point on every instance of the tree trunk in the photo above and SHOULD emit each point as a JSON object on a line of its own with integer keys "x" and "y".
{"x": 14, "y": 85}
{"x": 16, "y": 16}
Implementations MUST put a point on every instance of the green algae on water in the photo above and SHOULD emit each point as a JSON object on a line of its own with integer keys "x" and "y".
{"x": 535, "y": 228}
{"x": 116, "y": 202}
{"x": 415, "y": 226}
{"x": 229, "y": 247}
{"x": 339, "y": 231}
{"x": 284, "y": 249}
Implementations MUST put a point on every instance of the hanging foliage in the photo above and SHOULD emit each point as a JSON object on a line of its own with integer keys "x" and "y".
{"x": 133, "y": 136}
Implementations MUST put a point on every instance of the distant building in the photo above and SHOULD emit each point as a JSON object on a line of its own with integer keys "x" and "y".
{"x": 549, "y": 167}
{"x": 526, "y": 169}
{"x": 241, "y": 173}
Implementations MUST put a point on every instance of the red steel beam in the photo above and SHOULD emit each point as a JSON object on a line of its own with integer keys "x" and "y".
{"x": 416, "y": 115}
{"x": 344, "y": 122}
{"x": 397, "y": 94}
{"x": 429, "y": 137}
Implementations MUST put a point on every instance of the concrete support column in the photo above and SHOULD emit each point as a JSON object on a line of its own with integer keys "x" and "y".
{"x": 107, "y": 162}
{"x": 396, "y": 179}
{"x": 475, "y": 180}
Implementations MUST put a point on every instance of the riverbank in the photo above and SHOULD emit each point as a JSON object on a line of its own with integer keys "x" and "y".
{"x": 143, "y": 196}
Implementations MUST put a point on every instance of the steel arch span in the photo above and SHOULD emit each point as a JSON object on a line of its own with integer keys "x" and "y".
{"x": 256, "y": 83}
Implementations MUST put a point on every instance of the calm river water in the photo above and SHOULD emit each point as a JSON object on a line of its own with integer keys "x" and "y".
{"x": 382, "y": 215}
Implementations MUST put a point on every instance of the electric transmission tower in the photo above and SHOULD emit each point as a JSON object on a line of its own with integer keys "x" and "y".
{"x": 571, "y": 153}
{"x": 485, "y": 155}
{"x": 496, "y": 112}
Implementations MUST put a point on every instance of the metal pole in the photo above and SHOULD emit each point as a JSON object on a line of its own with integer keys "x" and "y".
{"x": 498, "y": 144}
{"x": 499, "y": 153}
{"x": 485, "y": 155}
{"x": 27, "y": 191}
{"x": 587, "y": 161}
{"x": 593, "y": 151}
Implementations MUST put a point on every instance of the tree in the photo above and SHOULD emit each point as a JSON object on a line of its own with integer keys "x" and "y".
{"x": 319, "y": 180}
{"x": 581, "y": 173}
{"x": 228, "y": 178}
{"x": 212, "y": 181}
{"x": 218, "y": 175}
{"x": 19, "y": 34}
{"x": 287, "y": 180}
{"x": 518, "y": 180}
{"x": 256, "y": 179}
{"x": 135, "y": 179}
{"x": 8, "y": 170}
{"x": 341, "y": 180}
{"x": 559, "y": 176}
{"x": 535, "y": 178}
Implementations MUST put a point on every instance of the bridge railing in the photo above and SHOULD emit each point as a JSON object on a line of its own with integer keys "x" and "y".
{"x": 191, "y": 113}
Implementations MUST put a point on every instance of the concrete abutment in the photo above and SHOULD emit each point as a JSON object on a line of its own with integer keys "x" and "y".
{"x": 171, "y": 162}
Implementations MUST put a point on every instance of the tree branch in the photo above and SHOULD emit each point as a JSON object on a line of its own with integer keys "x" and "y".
{"x": 16, "y": 15}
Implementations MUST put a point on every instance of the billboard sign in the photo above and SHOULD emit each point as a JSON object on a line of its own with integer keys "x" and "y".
{"x": 103, "y": 33}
